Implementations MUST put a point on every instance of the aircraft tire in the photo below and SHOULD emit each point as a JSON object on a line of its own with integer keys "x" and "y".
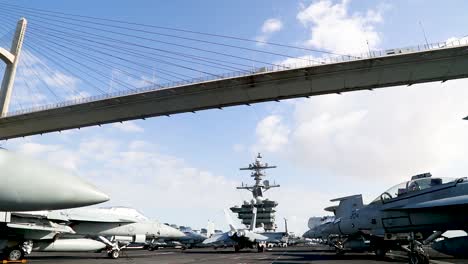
{"x": 415, "y": 258}
{"x": 260, "y": 248}
{"x": 15, "y": 254}
{"x": 114, "y": 254}
{"x": 380, "y": 252}
{"x": 339, "y": 252}
{"x": 236, "y": 248}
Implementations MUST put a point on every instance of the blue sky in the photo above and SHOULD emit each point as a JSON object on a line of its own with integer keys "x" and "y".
{"x": 183, "y": 169}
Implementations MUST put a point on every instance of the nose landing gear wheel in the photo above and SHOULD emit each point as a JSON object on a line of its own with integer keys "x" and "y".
{"x": 416, "y": 258}
{"x": 260, "y": 248}
{"x": 236, "y": 248}
{"x": 380, "y": 253}
{"x": 15, "y": 254}
{"x": 114, "y": 254}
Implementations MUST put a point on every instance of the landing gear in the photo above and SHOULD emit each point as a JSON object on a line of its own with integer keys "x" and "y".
{"x": 15, "y": 254}
{"x": 339, "y": 252}
{"x": 260, "y": 248}
{"x": 416, "y": 254}
{"x": 339, "y": 247}
{"x": 114, "y": 254}
{"x": 152, "y": 248}
{"x": 416, "y": 258}
{"x": 236, "y": 248}
{"x": 380, "y": 252}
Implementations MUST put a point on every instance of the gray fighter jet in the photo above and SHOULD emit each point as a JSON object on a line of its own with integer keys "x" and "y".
{"x": 192, "y": 238}
{"x": 241, "y": 238}
{"x": 29, "y": 185}
{"x": 116, "y": 227}
{"x": 406, "y": 216}
{"x": 18, "y": 230}
{"x": 80, "y": 230}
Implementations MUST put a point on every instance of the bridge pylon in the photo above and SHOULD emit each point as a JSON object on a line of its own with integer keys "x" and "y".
{"x": 11, "y": 59}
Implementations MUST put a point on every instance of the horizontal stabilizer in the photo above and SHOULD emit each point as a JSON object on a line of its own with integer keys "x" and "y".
{"x": 331, "y": 208}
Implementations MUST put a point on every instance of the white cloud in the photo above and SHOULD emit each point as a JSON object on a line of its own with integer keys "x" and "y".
{"x": 272, "y": 134}
{"x": 272, "y": 25}
{"x": 333, "y": 28}
{"x": 128, "y": 126}
{"x": 390, "y": 134}
{"x": 135, "y": 174}
{"x": 269, "y": 27}
{"x": 54, "y": 154}
{"x": 301, "y": 61}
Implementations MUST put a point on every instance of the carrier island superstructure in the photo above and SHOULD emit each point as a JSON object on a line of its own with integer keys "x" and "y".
{"x": 265, "y": 207}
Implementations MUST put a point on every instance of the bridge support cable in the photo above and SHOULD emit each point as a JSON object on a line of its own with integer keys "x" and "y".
{"x": 122, "y": 29}
{"x": 125, "y": 58}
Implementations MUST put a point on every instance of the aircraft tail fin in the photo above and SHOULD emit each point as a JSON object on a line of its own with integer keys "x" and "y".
{"x": 347, "y": 205}
{"x": 253, "y": 223}
{"x": 210, "y": 229}
{"x": 229, "y": 221}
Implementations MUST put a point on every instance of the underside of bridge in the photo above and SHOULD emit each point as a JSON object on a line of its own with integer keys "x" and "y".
{"x": 392, "y": 70}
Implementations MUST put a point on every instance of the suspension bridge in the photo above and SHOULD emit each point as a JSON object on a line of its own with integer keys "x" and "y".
{"x": 74, "y": 71}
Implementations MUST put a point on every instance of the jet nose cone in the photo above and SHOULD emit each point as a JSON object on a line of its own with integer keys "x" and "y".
{"x": 170, "y": 232}
{"x": 82, "y": 193}
{"x": 178, "y": 233}
{"x": 30, "y": 185}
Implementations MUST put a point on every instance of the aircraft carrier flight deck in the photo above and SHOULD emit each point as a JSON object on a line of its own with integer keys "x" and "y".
{"x": 289, "y": 255}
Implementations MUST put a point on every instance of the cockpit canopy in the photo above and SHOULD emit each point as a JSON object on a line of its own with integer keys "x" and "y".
{"x": 414, "y": 185}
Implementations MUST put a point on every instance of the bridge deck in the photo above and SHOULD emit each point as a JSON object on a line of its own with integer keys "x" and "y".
{"x": 405, "y": 68}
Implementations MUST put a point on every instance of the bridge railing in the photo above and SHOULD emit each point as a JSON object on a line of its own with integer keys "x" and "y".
{"x": 302, "y": 63}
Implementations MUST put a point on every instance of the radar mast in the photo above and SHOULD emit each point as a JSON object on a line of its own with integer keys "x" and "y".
{"x": 265, "y": 207}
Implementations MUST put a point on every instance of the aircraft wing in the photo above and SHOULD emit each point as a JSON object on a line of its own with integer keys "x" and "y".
{"x": 50, "y": 215}
{"x": 64, "y": 216}
{"x": 445, "y": 202}
{"x": 217, "y": 239}
{"x": 252, "y": 236}
{"x": 93, "y": 216}
{"x": 41, "y": 227}
{"x": 102, "y": 219}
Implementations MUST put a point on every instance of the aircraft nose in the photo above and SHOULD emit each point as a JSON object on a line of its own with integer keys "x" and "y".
{"x": 81, "y": 193}
{"x": 178, "y": 233}
{"x": 171, "y": 232}
{"x": 29, "y": 185}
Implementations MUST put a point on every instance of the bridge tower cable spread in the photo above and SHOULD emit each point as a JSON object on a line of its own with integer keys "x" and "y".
{"x": 11, "y": 58}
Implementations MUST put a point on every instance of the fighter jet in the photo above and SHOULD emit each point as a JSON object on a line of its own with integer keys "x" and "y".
{"x": 192, "y": 238}
{"x": 29, "y": 185}
{"x": 18, "y": 230}
{"x": 322, "y": 232}
{"x": 113, "y": 226}
{"x": 406, "y": 216}
{"x": 241, "y": 238}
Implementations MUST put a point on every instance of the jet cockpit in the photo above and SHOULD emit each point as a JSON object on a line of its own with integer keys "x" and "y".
{"x": 417, "y": 183}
